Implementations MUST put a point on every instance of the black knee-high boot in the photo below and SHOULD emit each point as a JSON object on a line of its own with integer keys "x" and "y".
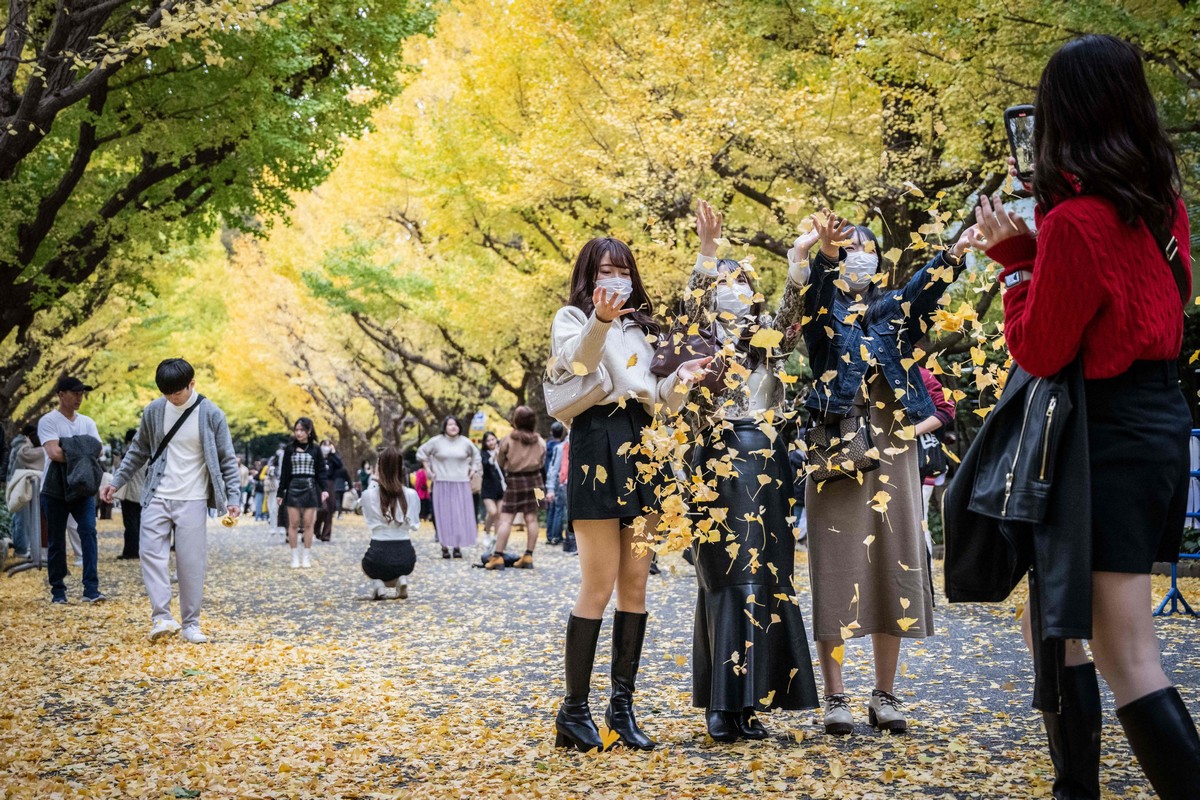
{"x": 574, "y": 725}
{"x": 629, "y": 631}
{"x": 1164, "y": 739}
{"x": 1074, "y": 736}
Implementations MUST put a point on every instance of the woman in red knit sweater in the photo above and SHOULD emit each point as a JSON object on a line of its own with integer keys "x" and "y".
{"x": 1097, "y": 280}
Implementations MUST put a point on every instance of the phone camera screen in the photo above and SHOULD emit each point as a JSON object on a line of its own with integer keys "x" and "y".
{"x": 1021, "y": 130}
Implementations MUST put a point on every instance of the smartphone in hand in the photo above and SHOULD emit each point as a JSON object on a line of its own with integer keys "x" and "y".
{"x": 1018, "y": 124}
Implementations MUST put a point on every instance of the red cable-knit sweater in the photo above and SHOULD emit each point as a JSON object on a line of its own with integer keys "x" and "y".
{"x": 1097, "y": 284}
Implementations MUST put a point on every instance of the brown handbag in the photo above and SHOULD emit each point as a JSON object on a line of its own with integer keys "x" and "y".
{"x": 840, "y": 449}
{"x": 686, "y": 342}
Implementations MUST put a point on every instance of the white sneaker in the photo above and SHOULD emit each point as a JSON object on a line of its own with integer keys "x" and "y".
{"x": 78, "y": 562}
{"x": 885, "y": 714}
{"x": 295, "y": 558}
{"x": 162, "y": 628}
{"x": 306, "y": 559}
{"x": 192, "y": 634}
{"x": 838, "y": 719}
{"x": 389, "y": 593}
{"x": 377, "y": 589}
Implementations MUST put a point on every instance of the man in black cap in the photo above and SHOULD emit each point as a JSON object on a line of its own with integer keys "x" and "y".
{"x": 63, "y": 423}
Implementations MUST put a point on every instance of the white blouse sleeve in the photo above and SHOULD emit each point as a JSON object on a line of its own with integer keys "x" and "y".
{"x": 372, "y": 513}
{"x": 414, "y": 508}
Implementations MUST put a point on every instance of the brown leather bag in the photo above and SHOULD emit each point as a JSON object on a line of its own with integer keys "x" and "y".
{"x": 686, "y": 342}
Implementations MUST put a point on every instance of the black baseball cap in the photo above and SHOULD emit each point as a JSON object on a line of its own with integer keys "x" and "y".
{"x": 71, "y": 385}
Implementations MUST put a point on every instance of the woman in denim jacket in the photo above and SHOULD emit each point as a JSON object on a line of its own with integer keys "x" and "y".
{"x": 866, "y": 550}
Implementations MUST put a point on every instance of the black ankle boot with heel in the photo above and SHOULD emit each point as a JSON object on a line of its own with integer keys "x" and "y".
{"x": 1074, "y": 736}
{"x": 1163, "y": 737}
{"x": 574, "y": 727}
{"x": 629, "y": 631}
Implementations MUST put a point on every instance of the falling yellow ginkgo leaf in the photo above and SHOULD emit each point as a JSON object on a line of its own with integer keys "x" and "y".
{"x": 839, "y": 653}
{"x": 766, "y": 338}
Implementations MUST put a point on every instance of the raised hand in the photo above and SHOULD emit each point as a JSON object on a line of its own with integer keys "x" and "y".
{"x": 1012, "y": 172}
{"x": 831, "y": 231}
{"x": 708, "y": 226}
{"x": 996, "y": 223}
{"x": 609, "y": 305}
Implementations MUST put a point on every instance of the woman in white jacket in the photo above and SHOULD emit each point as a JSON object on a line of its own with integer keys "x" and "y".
{"x": 606, "y": 325}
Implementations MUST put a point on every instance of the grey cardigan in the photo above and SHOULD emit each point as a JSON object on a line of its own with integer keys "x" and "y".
{"x": 219, "y": 455}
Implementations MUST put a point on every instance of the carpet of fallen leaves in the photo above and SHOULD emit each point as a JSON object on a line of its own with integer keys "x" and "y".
{"x": 306, "y": 690}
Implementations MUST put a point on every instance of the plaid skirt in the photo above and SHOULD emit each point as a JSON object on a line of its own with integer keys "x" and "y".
{"x": 521, "y": 494}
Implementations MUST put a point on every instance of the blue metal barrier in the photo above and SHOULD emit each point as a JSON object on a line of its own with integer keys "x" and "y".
{"x": 1175, "y": 597}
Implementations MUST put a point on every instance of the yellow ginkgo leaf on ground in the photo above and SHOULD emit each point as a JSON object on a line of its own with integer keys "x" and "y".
{"x": 835, "y": 769}
{"x": 766, "y": 338}
{"x": 608, "y": 737}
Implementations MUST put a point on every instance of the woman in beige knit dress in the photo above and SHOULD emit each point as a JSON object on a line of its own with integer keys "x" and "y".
{"x": 866, "y": 549}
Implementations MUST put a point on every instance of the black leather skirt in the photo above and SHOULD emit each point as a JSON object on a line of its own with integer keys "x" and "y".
{"x": 303, "y": 492}
{"x": 750, "y": 648}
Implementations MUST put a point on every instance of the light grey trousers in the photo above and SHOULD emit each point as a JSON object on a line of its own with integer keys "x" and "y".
{"x": 189, "y": 520}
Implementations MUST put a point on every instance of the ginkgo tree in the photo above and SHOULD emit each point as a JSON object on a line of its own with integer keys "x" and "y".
{"x": 126, "y": 126}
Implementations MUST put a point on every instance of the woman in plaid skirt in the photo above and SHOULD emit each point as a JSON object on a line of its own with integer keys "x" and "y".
{"x": 521, "y": 456}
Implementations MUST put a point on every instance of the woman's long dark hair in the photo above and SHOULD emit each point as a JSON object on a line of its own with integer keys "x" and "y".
{"x": 307, "y": 424}
{"x": 392, "y": 478}
{"x": 1096, "y": 123}
{"x": 583, "y": 280}
{"x": 752, "y": 356}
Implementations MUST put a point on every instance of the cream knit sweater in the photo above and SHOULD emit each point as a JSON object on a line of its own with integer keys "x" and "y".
{"x": 625, "y": 353}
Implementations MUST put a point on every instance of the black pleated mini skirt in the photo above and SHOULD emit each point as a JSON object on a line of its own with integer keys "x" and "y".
{"x": 605, "y": 482}
{"x": 1139, "y": 430}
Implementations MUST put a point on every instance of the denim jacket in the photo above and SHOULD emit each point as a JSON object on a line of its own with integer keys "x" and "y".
{"x": 838, "y": 340}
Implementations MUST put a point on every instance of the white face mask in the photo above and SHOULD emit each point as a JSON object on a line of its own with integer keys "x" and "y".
{"x": 326, "y": 449}
{"x": 731, "y": 300}
{"x": 622, "y": 287}
{"x": 859, "y": 268}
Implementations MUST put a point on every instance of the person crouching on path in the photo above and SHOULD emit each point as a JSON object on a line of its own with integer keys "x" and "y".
{"x": 300, "y": 489}
{"x": 392, "y": 512}
{"x": 183, "y": 442}
{"x": 522, "y": 455}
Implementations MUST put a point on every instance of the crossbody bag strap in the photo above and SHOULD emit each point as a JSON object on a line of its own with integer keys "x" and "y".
{"x": 1169, "y": 246}
{"x": 162, "y": 446}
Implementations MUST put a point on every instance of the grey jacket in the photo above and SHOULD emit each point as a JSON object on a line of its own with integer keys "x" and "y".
{"x": 215, "y": 440}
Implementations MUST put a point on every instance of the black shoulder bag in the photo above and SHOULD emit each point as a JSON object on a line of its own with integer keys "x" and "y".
{"x": 162, "y": 446}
